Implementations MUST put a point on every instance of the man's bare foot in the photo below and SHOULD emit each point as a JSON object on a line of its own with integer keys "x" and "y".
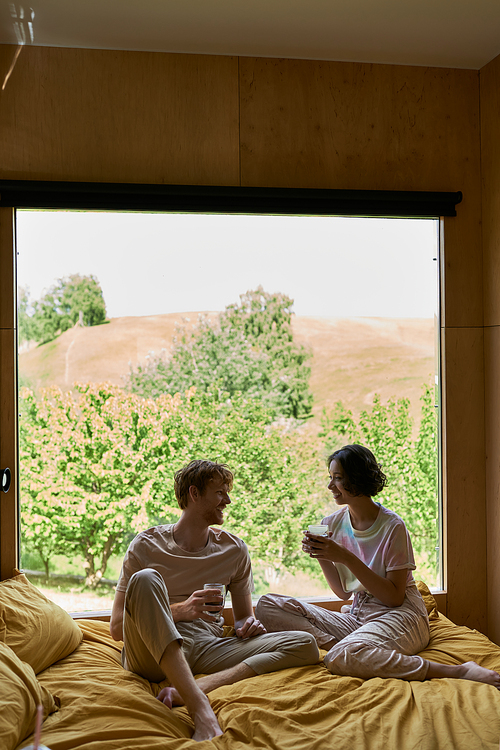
{"x": 206, "y": 725}
{"x": 472, "y": 671}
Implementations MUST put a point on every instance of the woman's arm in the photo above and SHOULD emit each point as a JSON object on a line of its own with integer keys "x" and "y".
{"x": 390, "y": 590}
{"x": 330, "y": 571}
{"x": 333, "y": 579}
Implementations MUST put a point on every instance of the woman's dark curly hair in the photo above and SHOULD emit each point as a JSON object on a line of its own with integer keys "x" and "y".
{"x": 362, "y": 473}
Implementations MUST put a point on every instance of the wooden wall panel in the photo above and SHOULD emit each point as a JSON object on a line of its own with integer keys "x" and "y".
{"x": 8, "y": 454}
{"x": 490, "y": 163}
{"x": 464, "y": 502}
{"x": 374, "y": 127}
{"x": 99, "y": 115}
{"x": 462, "y": 264}
{"x": 356, "y": 125}
{"x": 492, "y": 431}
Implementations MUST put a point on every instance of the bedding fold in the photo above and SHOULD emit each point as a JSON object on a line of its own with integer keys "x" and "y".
{"x": 104, "y": 707}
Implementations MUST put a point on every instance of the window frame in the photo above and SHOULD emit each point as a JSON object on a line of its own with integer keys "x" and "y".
{"x": 29, "y": 194}
{"x": 229, "y": 199}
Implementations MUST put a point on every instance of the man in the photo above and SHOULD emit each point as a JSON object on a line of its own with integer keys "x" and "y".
{"x": 167, "y": 621}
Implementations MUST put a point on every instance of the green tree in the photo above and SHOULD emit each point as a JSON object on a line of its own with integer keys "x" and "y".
{"x": 80, "y": 295}
{"x": 25, "y": 311}
{"x": 410, "y": 465}
{"x": 81, "y": 472}
{"x": 47, "y": 319}
{"x": 201, "y": 357}
{"x": 69, "y": 299}
{"x": 42, "y": 522}
{"x": 98, "y": 465}
{"x": 249, "y": 349}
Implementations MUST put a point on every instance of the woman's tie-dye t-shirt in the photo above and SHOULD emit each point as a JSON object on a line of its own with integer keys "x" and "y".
{"x": 385, "y": 546}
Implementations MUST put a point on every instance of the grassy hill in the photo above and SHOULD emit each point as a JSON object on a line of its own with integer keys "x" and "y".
{"x": 353, "y": 358}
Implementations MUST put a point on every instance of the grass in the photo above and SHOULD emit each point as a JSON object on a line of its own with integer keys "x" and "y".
{"x": 74, "y": 598}
{"x": 66, "y": 584}
{"x": 61, "y": 565}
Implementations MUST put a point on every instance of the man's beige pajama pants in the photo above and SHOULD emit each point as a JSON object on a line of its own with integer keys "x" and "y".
{"x": 148, "y": 628}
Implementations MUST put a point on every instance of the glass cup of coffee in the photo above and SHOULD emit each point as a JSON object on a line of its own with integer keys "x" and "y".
{"x": 220, "y": 587}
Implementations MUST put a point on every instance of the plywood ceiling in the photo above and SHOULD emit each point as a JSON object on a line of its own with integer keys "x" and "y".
{"x": 459, "y": 34}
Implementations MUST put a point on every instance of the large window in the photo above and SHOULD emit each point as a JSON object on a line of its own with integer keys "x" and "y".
{"x": 283, "y": 337}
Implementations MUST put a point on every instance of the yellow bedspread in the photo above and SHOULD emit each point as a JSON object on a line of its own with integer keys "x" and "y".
{"x": 104, "y": 707}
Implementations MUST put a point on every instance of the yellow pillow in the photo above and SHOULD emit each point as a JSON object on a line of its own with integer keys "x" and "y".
{"x": 20, "y": 694}
{"x": 429, "y": 601}
{"x": 36, "y": 629}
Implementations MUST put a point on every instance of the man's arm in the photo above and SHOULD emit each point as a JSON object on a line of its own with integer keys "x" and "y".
{"x": 191, "y": 609}
{"x": 245, "y": 624}
{"x": 116, "y": 622}
{"x": 197, "y": 606}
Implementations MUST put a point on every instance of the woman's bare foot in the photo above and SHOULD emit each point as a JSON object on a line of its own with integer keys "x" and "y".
{"x": 468, "y": 671}
{"x": 472, "y": 671}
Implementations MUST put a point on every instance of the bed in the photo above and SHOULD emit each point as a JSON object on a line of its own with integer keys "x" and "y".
{"x": 92, "y": 703}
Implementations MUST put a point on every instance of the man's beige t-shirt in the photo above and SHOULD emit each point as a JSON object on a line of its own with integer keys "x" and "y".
{"x": 225, "y": 559}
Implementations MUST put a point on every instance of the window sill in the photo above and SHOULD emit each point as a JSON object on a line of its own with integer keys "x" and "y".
{"x": 328, "y": 602}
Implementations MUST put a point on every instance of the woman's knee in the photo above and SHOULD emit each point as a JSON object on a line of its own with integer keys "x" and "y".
{"x": 298, "y": 645}
{"x": 343, "y": 657}
{"x": 278, "y": 612}
{"x": 269, "y": 608}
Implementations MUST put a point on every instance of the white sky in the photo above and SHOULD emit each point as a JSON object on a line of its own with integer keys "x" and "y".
{"x": 149, "y": 264}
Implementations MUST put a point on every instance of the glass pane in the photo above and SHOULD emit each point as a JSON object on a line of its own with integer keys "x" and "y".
{"x": 285, "y": 338}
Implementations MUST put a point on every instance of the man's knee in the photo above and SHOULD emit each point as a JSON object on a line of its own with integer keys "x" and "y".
{"x": 146, "y": 585}
{"x": 145, "y": 577}
{"x": 307, "y": 647}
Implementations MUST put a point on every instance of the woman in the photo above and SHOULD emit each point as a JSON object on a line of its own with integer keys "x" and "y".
{"x": 367, "y": 553}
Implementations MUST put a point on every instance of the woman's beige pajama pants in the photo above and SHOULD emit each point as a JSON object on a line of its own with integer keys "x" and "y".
{"x": 372, "y": 640}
